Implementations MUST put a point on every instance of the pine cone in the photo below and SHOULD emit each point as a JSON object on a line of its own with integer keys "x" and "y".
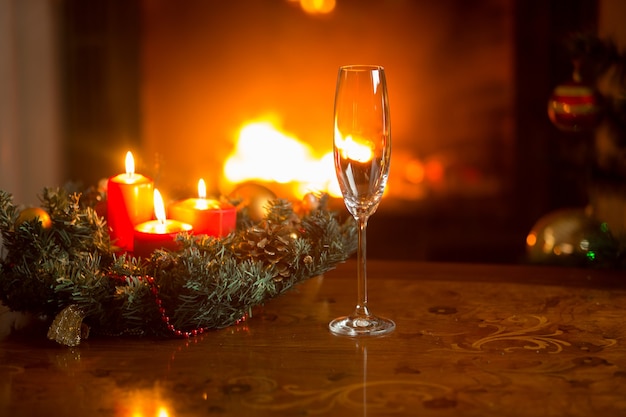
{"x": 269, "y": 244}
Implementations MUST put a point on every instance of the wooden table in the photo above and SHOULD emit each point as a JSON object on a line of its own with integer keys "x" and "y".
{"x": 471, "y": 340}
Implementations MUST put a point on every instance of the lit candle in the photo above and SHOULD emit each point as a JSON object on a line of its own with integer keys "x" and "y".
{"x": 129, "y": 202}
{"x": 207, "y": 216}
{"x": 160, "y": 233}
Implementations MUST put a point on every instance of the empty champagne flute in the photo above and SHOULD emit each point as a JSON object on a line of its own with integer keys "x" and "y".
{"x": 362, "y": 153}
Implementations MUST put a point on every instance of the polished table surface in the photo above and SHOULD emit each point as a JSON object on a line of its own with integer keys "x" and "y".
{"x": 471, "y": 340}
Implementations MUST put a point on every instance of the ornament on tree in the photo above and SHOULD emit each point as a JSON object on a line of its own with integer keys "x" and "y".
{"x": 30, "y": 214}
{"x": 254, "y": 198}
{"x": 575, "y": 106}
{"x": 571, "y": 237}
{"x": 309, "y": 202}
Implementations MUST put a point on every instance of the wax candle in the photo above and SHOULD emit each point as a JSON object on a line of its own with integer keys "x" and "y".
{"x": 129, "y": 202}
{"x": 158, "y": 234}
{"x": 207, "y": 216}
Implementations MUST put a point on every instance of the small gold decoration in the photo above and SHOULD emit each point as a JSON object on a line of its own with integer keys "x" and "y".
{"x": 254, "y": 197}
{"x": 33, "y": 213}
{"x": 67, "y": 327}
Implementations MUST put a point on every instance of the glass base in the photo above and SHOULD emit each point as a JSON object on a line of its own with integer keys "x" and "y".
{"x": 361, "y": 326}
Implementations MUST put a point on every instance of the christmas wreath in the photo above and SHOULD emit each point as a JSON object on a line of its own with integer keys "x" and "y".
{"x": 58, "y": 263}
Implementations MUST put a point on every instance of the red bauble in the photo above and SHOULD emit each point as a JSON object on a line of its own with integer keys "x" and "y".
{"x": 575, "y": 107}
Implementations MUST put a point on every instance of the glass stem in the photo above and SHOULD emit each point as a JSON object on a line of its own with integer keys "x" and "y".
{"x": 361, "y": 307}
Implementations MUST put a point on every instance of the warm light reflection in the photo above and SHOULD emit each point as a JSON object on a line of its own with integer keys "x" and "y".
{"x": 549, "y": 239}
{"x": 332, "y": 185}
{"x": 130, "y": 164}
{"x": 264, "y": 153}
{"x": 316, "y": 6}
{"x": 143, "y": 403}
{"x": 435, "y": 171}
{"x": 414, "y": 172}
{"x": 354, "y": 149}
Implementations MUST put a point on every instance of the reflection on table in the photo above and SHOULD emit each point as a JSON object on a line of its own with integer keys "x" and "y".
{"x": 471, "y": 340}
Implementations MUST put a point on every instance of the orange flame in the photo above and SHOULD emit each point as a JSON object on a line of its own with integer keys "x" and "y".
{"x": 201, "y": 188}
{"x": 130, "y": 164}
{"x": 159, "y": 207}
{"x": 202, "y": 202}
{"x": 357, "y": 150}
{"x": 264, "y": 153}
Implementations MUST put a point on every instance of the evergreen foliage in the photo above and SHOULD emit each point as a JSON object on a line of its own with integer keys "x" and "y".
{"x": 209, "y": 283}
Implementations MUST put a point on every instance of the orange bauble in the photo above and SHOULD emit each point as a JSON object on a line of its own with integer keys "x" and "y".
{"x": 254, "y": 197}
{"x": 33, "y": 213}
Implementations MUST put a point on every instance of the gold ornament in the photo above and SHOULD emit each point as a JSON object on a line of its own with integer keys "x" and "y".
{"x": 561, "y": 236}
{"x": 254, "y": 197}
{"x": 32, "y": 213}
{"x": 67, "y": 327}
{"x": 310, "y": 202}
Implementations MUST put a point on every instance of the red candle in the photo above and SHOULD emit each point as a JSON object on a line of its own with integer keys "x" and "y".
{"x": 158, "y": 234}
{"x": 129, "y": 202}
{"x": 208, "y": 217}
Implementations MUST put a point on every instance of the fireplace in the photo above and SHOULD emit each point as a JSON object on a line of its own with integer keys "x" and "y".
{"x": 182, "y": 84}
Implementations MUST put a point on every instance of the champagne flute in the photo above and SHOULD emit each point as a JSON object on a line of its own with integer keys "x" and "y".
{"x": 362, "y": 153}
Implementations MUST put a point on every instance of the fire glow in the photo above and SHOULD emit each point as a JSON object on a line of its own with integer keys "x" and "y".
{"x": 356, "y": 150}
{"x": 264, "y": 153}
{"x": 267, "y": 155}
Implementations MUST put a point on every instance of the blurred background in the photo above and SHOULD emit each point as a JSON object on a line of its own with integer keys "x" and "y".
{"x": 185, "y": 85}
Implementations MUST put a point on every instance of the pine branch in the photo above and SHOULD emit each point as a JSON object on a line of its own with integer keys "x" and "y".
{"x": 209, "y": 283}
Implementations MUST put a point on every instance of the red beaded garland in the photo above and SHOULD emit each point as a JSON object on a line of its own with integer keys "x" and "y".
{"x": 164, "y": 317}
{"x": 154, "y": 290}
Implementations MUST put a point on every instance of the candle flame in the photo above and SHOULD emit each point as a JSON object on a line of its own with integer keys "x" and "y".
{"x": 201, "y": 188}
{"x": 159, "y": 207}
{"x": 201, "y": 202}
{"x": 130, "y": 164}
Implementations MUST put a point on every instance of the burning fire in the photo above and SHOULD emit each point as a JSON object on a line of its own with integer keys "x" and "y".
{"x": 264, "y": 153}
{"x": 353, "y": 149}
